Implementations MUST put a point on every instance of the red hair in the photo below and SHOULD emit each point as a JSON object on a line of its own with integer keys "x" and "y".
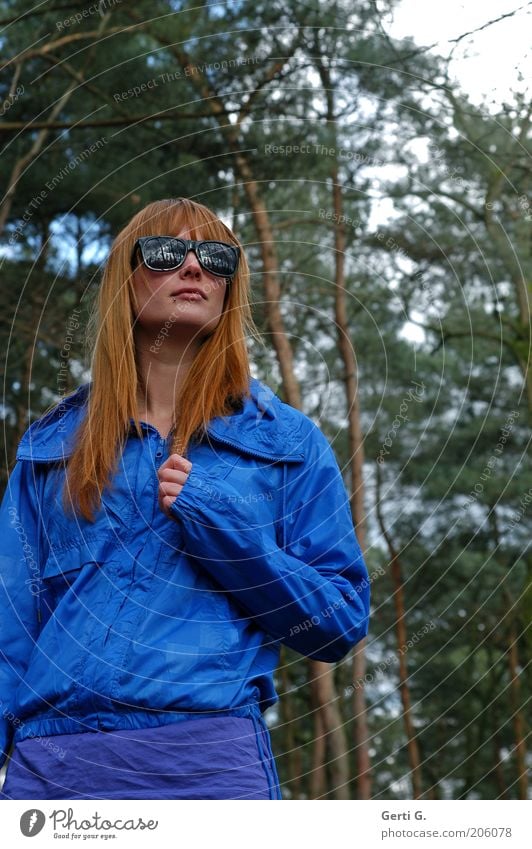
{"x": 216, "y": 381}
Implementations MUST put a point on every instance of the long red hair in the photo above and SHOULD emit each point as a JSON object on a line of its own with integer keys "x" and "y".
{"x": 216, "y": 381}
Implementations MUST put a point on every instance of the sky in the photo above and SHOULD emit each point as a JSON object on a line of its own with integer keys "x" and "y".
{"x": 487, "y": 65}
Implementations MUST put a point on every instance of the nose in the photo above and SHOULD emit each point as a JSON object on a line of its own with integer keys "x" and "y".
{"x": 190, "y": 265}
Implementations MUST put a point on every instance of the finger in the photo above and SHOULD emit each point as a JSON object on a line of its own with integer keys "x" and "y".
{"x": 172, "y": 489}
{"x": 166, "y": 503}
{"x": 176, "y": 461}
{"x": 172, "y": 477}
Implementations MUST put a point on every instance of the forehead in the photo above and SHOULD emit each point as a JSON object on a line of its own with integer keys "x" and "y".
{"x": 187, "y": 233}
{"x": 193, "y": 224}
{"x": 187, "y": 223}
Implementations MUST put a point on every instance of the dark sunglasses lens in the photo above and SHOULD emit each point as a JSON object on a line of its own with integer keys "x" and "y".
{"x": 218, "y": 258}
{"x": 163, "y": 254}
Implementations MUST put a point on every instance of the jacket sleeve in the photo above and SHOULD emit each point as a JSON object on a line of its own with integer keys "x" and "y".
{"x": 313, "y": 594}
{"x": 20, "y": 556}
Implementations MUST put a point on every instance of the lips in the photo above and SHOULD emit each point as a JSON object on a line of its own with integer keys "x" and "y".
{"x": 188, "y": 290}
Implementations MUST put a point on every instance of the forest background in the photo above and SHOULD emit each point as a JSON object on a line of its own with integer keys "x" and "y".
{"x": 387, "y": 219}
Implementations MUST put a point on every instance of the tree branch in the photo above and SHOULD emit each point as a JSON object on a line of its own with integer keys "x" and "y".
{"x": 488, "y": 24}
{"x": 22, "y": 127}
{"x": 60, "y": 42}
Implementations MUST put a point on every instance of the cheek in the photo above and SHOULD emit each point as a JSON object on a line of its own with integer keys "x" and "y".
{"x": 144, "y": 288}
{"x": 217, "y": 293}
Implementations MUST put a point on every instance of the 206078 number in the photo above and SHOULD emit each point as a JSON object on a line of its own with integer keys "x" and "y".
{"x": 489, "y": 832}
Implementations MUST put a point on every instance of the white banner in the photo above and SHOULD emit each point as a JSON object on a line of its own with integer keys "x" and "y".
{"x": 462, "y": 824}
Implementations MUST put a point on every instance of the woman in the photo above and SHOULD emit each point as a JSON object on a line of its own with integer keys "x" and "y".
{"x": 165, "y": 529}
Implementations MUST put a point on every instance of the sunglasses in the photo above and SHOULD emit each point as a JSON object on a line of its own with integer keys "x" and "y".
{"x": 166, "y": 253}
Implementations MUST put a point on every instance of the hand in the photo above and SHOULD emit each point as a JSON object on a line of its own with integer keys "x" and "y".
{"x": 172, "y": 477}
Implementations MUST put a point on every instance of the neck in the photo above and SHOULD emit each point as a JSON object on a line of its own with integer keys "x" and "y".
{"x": 162, "y": 371}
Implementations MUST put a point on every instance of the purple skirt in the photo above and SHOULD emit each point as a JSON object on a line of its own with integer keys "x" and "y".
{"x": 226, "y": 757}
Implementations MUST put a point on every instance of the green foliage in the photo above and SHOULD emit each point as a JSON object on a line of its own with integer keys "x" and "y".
{"x": 157, "y": 99}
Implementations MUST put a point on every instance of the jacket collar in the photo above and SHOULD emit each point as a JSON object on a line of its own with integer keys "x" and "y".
{"x": 264, "y": 427}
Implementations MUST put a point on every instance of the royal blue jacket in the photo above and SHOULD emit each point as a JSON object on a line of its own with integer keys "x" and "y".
{"x": 137, "y": 620}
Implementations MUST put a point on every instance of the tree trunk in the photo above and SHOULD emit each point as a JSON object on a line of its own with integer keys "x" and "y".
{"x": 272, "y": 286}
{"x": 354, "y": 434}
{"x": 287, "y": 724}
{"x": 512, "y": 610}
{"x": 498, "y": 768}
{"x": 356, "y": 464}
{"x": 318, "y": 773}
{"x": 517, "y": 717}
{"x": 400, "y": 630}
{"x": 333, "y": 747}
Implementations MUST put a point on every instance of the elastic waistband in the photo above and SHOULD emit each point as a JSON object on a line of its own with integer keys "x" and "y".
{"x": 122, "y": 720}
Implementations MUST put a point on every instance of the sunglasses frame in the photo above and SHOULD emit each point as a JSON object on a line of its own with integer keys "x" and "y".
{"x": 190, "y": 244}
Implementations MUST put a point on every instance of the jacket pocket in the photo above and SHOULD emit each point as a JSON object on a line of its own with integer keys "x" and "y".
{"x": 66, "y": 565}
{"x": 58, "y": 576}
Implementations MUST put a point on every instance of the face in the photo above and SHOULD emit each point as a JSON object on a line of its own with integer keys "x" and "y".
{"x": 187, "y": 301}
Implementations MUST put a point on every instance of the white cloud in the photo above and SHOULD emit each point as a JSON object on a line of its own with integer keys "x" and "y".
{"x": 488, "y": 65}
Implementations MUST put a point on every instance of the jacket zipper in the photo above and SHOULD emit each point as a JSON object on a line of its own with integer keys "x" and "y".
{"x": 161, "y": 443}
